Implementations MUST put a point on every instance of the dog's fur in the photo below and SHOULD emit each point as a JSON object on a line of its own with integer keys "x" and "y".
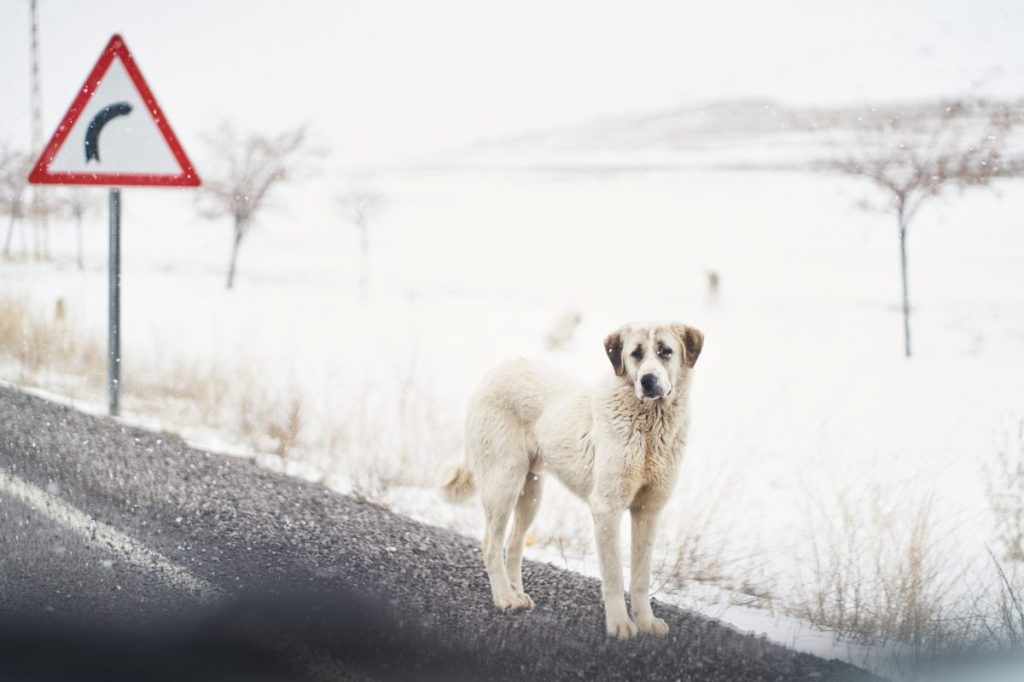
{"x": 618, "y": 446}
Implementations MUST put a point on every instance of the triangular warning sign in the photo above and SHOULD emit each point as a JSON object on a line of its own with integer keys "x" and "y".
{"x": 114, "y": 133}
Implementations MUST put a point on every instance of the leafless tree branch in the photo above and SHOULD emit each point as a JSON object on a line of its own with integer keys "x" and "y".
{"x": 912, "y": 159}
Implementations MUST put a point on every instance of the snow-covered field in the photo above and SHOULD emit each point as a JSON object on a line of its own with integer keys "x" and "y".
{"x": 801, "y": 400}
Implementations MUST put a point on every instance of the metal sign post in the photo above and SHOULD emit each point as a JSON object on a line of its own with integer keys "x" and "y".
{"x": 114, "y": 329}
{"x": 115, "y": 135}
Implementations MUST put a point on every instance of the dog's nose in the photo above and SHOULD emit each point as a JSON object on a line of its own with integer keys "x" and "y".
{"x": 649, "y": 383}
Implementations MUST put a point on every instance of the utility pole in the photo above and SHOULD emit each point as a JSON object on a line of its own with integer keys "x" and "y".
{"x": 36, "y": 98}
{"x": 39, "y": 209}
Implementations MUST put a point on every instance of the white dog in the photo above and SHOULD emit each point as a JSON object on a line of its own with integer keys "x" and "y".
{"x": 618, "y": 446}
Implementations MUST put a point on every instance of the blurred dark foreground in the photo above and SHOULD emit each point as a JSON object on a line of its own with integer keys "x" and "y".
{"x": 294, "y": 637}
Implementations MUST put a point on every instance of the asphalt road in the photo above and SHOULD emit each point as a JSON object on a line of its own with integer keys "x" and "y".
{"x": 126, "y": 554}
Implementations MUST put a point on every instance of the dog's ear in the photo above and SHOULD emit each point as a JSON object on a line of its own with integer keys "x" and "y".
{"x": 692, "y": 340}
{"x": 613, "y": 346}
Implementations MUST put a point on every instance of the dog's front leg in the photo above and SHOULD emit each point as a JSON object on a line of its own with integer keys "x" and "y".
{"x": 644, "y": 522}
{"x": 606, "y": 526}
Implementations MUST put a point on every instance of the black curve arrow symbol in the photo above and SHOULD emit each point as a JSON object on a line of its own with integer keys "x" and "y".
{"x": 92, "y": 134}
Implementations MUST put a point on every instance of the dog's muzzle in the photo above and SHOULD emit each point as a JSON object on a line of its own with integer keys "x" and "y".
{"x": 651, "y": 388}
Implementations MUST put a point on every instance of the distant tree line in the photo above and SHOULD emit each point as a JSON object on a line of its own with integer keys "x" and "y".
{"x": 29, "y": 209}
{"x": 908, "y": 156}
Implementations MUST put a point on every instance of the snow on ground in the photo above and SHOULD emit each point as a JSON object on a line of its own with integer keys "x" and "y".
{"x": 801, "y": 394}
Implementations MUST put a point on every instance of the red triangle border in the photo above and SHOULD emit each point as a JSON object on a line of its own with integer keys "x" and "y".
{"x": 41, "y": 173}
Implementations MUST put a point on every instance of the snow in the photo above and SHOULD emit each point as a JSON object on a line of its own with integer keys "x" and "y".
{"x": 801, "y": 394}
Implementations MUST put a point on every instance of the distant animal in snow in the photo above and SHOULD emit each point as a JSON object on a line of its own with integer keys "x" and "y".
{"x": 714, "y": 286}
{"x": 563, "y": 330}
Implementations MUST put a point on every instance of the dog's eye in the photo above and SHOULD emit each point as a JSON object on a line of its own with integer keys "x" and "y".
{"x": 638, "y": 353}
{"x": 664, "y": 352}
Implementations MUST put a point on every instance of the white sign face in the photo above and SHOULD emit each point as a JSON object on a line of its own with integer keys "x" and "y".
{"x": 114, "y": 133}
{"x": 123, "y": 136}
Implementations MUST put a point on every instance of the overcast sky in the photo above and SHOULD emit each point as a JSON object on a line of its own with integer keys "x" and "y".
{"x": 382, "y": 80}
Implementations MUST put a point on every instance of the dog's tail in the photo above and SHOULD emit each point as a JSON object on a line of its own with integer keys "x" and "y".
{"x": 459, "y": 485}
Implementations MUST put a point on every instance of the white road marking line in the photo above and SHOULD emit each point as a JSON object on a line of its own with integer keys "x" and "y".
{"x": 97, "y": 532}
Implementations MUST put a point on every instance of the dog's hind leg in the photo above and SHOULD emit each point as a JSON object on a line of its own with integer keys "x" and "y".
{"x": 500, "y": 492}
{"x": 526, "y": 510}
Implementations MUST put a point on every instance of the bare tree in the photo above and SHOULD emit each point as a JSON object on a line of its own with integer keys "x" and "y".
{"x": 78, "y": 203}
{"x": 360, "y": 207}
{"x": 252, "y": 166}
{"x": 918, "y": 157}
{"x": 14, "y": 170}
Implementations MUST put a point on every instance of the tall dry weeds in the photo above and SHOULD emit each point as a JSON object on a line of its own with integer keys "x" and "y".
{"x": 1004, "y": 483}
{"x": 41, "y": 343}
{"x": 878, "y": 570}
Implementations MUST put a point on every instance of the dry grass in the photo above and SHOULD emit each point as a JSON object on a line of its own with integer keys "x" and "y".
{"x": 880, "y": 570}
{"x": 39, "y": 343}
{"x": 189, "y": 381}
{"x": 391, "y": 430}
{"x": 698, "y": 536}
{"x": 270, "y": 422}
{"x": 376, "y": 436}
{"x": 1009, "y": 624}
{"x": 1004, "y": 479}
{"x": 697, "y": 552}
{"x": 52, "y": 352}
{"x": 286, "y": 430}
{"x": 564, "y": 525}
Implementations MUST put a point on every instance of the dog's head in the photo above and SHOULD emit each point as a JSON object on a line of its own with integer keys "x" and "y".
{"x": 654, "y": 358}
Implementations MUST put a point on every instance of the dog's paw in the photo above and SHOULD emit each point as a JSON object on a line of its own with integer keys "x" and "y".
{"x": 513, "y": 602}
{"x": 653, "y": 626}
{"x": 622, "y": 629}
{"x": 518, "y": 590}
